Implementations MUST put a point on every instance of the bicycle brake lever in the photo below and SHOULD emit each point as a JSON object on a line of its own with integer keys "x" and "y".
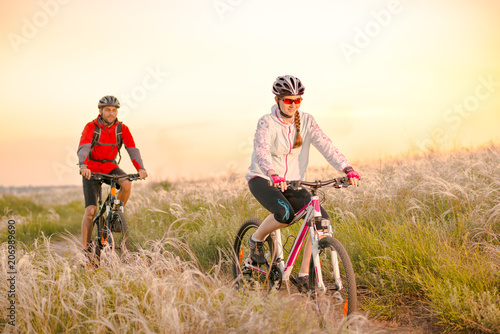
{"x": 345, "y": 183}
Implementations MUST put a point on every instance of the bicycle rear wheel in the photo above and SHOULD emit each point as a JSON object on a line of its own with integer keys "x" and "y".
{"x": 249, "y": 275}
{"x": 334, "y": 302}
{"x": 118, "y": 236}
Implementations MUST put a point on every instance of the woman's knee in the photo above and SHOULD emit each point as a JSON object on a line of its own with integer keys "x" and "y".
{"x": 284, "y": 212}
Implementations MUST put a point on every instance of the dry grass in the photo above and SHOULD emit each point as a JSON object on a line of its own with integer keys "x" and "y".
{"x": 423, "y": 233}
{"x": 149, "y": 291}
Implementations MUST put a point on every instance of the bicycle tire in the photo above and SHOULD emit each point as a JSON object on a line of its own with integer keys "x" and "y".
{"x": 333, "y": 304}
{"x": 119, "y": 234}
{"x": 95, "y": 242}
{"x": 246, "y": 278}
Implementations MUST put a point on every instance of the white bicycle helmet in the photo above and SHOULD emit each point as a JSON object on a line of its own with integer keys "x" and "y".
{"x": 288, "y": 85}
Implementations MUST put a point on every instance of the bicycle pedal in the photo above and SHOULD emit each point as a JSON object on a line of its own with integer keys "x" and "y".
{"x": 260, "y": 265}
{"x": 332, "y": 288}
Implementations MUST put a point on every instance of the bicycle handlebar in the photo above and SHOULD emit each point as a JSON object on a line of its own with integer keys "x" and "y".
{"x": 339, "y": 182}
{"x": 100, "y": 176}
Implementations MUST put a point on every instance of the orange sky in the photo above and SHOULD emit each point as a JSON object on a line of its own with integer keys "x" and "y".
{"x": 382, "y": 78}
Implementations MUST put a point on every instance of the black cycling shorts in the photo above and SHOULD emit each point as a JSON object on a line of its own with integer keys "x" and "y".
{"x": 282, "y": 204}
{"x": 92, "y": 188}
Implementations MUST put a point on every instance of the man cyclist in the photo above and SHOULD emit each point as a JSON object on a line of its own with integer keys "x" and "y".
{"x": 99, "y": 144}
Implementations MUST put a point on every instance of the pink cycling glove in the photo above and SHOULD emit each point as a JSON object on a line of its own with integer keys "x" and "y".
{"x": 351, "y": 173}
{"x": 277, "y": 179}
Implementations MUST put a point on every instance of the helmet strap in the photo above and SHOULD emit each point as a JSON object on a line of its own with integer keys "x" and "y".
{"x": 285, "y": 115}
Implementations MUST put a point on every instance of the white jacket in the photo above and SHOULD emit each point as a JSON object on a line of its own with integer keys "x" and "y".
{"x": 273, "y": 147}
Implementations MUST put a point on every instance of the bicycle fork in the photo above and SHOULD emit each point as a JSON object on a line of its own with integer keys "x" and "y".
{"x": 315, "y": 237}
{"x": 106, "y": 228}
{"x": 104, "y": 232}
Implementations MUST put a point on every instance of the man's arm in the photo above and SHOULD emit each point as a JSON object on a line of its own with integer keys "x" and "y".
{"x": 84, "y": 148}
{"x": 133, "y": 152}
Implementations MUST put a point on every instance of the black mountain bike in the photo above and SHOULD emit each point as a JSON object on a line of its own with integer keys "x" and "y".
{"x": 110, "y": 225}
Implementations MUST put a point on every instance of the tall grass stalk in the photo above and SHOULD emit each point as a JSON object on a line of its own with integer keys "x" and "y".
{"x": 152, "y": 290}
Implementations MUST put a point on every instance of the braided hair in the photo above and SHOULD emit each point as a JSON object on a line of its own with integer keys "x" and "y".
{"x": 298, "y": 137}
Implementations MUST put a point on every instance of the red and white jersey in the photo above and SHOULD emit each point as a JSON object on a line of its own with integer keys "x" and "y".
{"x": 273, "y": 144}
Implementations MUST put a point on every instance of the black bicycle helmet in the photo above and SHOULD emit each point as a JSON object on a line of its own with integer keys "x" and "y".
{"x": 107, "y": 101}
{"x": 288, "y": 85}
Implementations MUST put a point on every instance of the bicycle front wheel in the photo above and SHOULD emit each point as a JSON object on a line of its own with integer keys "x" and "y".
{"x": 249, "y": 275}
{"x": 119, "y": 234}
{"x": 338, "y": 299}
{"x": 96, "y": 246}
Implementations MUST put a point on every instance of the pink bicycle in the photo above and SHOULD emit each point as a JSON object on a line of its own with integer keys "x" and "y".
{"x": 332, "y": 283}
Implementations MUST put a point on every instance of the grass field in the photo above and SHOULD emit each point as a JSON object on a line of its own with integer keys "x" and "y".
{"x": 423, "y": 234}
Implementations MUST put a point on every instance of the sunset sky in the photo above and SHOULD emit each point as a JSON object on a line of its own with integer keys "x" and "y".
{"x": 382, "y": 78}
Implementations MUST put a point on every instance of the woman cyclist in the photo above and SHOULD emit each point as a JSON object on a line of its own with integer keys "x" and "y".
{"x": 281, "y": 152}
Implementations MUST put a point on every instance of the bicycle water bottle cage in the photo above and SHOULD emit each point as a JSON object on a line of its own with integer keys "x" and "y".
{"x": 291, "y": 236}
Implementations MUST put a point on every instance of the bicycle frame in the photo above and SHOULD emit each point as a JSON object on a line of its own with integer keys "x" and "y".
{"x": 311, "y": 213}
{"x": 106, "y": 211}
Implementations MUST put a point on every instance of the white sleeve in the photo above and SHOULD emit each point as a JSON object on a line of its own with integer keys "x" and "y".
{"x": 325, "y": 146}
{"x": 261, "y": 146}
